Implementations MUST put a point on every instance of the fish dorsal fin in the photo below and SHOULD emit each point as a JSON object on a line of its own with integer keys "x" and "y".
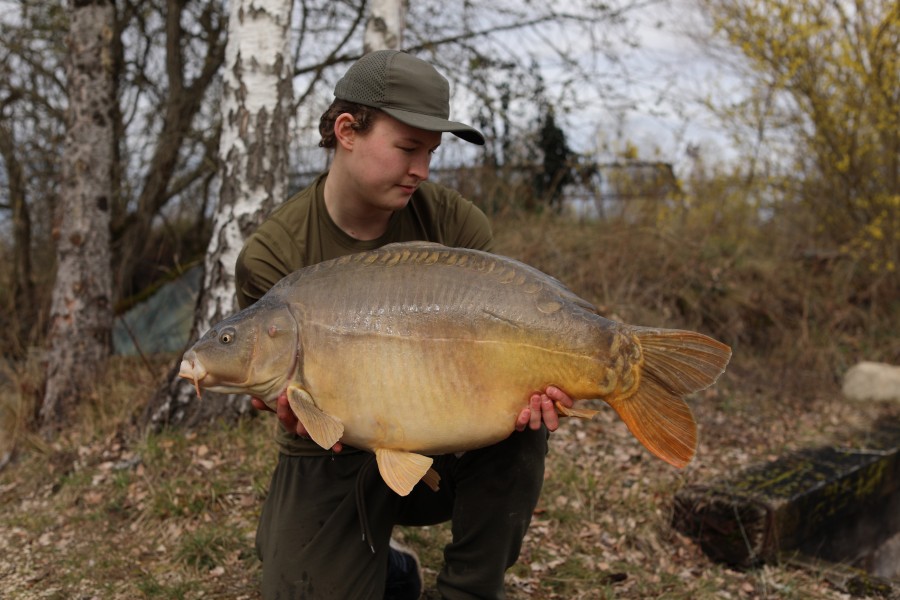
{"x": 324, "y": 429}
{"x": 402, "y": 470}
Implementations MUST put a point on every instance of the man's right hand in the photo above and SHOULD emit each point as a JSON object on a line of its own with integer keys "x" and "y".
{"x": 287, "y": 417}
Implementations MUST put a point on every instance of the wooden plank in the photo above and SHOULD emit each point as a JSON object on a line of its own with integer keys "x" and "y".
{"x": 834, "y": 503}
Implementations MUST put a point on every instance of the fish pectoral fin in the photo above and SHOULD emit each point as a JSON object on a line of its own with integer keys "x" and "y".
{"x": 581, "y": 413}
{"x": 402, "y": 470}
{"x": 324, "y": 429}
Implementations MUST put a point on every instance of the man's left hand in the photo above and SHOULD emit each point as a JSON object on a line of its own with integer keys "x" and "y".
{"x": 542, "y": 409}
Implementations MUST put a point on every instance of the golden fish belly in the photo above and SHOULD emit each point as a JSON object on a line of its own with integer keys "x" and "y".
{"x": 435, "y": 395}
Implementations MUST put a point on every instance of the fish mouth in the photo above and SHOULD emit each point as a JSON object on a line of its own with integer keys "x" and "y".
{"x": 195, "y": 371}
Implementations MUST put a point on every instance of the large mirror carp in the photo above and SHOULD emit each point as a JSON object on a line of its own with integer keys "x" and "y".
{"x": 417, "y": 349}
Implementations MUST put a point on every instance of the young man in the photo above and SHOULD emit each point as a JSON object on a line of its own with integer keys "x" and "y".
{"x": 325, "y": 528}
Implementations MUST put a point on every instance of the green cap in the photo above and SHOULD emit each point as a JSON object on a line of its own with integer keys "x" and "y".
{"x": 405, "y": 87}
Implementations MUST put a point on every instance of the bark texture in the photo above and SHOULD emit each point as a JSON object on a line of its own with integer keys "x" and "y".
{"x": 81, "y": 306}
{"x": 384, "y": 26}
{"x": 256, "y": 101}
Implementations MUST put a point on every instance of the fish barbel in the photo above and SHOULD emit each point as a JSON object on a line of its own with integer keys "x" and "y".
{"x": 418, "y": 349}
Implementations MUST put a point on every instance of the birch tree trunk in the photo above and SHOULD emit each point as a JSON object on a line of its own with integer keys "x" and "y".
{"x": 256, "y": 100}
{"x": 81, "y": 307}
{"x": 384, "y": 27}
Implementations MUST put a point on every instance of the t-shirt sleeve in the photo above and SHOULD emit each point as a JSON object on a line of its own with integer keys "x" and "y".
{"x": 468, "y": 226}
{"x": 276, "y": 249}
{"x": 262, "y": 263}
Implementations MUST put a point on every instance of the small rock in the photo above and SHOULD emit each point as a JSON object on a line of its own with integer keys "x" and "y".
{"x": 872, "y": 381}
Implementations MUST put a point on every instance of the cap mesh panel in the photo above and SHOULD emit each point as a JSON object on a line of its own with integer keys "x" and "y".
{"x": 365, "y": 82}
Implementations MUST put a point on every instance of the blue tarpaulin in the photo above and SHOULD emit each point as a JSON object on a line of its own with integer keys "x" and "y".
{"x": 162, "y": 323}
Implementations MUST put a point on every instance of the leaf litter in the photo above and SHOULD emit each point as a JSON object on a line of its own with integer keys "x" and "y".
{"x": 121, "y": 514}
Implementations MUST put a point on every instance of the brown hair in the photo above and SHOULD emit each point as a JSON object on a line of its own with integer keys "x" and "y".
{"x": 364, "y": 117}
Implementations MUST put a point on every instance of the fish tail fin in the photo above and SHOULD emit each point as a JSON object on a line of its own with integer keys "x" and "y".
{"x": 676, "y": 363}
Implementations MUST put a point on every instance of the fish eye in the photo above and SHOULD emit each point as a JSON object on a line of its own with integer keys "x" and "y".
{"x": 227, "y": 335}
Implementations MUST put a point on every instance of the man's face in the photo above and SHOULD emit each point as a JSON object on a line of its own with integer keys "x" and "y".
{"x": 389, "y": 161}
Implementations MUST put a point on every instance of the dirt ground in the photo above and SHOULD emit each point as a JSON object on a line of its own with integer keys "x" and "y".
{"x": 110, "y": 513}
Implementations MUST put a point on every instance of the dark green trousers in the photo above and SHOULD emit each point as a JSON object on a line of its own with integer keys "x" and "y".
{"x": 327, "y": 521}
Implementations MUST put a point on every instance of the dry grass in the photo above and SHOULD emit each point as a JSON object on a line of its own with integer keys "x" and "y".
{"x": 109, "y": 512}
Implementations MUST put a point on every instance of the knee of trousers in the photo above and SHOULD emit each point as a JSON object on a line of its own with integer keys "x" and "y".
{"x": 530, "y": 458}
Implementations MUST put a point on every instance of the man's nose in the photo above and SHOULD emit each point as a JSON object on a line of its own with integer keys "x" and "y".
{"x": 420, "y": 166}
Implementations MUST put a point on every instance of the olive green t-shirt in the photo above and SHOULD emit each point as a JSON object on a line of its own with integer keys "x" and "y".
{"x": 300, "y": 233}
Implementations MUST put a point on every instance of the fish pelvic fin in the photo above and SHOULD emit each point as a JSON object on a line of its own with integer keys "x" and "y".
{"x": 676, "y": 363}
{"x": 581, "y": 413}
{"x": 402, "y": 470}
{"x": 324, "y": 429}
{"x": 432, "y": 479}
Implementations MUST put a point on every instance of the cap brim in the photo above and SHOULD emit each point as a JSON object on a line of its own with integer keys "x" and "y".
{"x": 429, "y": 123}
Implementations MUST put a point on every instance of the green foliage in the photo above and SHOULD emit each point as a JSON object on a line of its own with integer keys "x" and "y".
{"x": 151, "y": 587}
{"x": 207, "y": 547}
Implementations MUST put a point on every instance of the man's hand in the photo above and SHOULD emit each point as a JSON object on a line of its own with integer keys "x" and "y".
{"x": 542, "y": 409}
{"x": 287, "y": 417}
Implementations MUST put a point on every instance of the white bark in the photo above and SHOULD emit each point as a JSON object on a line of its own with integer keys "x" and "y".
{"x": 385, "y": 24}
{"x": 81, "y": 305}
{"x": 256, "y": 100}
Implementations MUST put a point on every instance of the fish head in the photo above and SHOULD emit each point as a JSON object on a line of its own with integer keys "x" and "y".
{"x": 252, "y": 352}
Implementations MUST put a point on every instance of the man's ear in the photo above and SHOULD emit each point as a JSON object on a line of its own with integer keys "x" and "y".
{"x": 344, "y": 133}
